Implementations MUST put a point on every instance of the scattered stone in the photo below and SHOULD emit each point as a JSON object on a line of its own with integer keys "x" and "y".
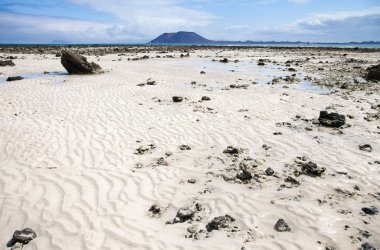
{"x": 365, "y": 147}
{"x": 7, "y": 63}
{"x": 292, "y": 180}
{"x": 244, "y": 175}
{"x": 202, "y": 72}
{"x": 75, "y": 63}
{"x": 312, "y": 169}
{"x": 191, "y": 181}
{"x": 185, "y": 147}
{"x": 14, "y": 78}
{"x": 225, "y": 60}
{"x": 239, "y": 86}
{"x": 219, "y": 222}
{"x": 334, "y": 120}
{"x": 277, "y": 133}
{"x": 266, "y": 147}
{"x": 162, "y": 162}
{"x": 145, "y": 149}
{"x": 185, "y": 213}
{"x": 370, "y": 210}
{"x": 269, "y": 172}
{"x": 205, "y": 98}
{"x": 232, "y": 150}
{"x": 155, "y": 209}
{"x": 282, "y": 226}
{"x": 24, "y": 236}
{"x": 367, "y": 246}
{"x": 373, "y": 73}
{"x": 177, "y": 99}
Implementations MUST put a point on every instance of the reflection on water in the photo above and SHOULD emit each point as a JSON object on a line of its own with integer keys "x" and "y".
{"x": 264, "y": 73}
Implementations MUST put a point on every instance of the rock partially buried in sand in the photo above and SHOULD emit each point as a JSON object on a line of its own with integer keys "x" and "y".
{"x": 333, "y": 120}
{"x": 14, "y": 78}
{"x": 374, "y": 73}
{"x": 75, "y": 63}
{"x": 365, "y": 147}
{"x": 6, "y": 63}
{"x": 24, "y": 236}
{"x": 282, "y": 226}
{"x": 177, "y": 99}
{"x": 367, "y": 246}
{"x": 219, "y": 222}
{"x": 17, "y": 246}
{"x": 370, "y": 210}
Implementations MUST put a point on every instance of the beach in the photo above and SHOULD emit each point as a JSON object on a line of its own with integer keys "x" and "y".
{"x": 107, "y": 161}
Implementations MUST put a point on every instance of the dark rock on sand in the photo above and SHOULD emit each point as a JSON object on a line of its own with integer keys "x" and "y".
{"x": 75, "y": 63}
{"x": 232, "y": 150}
{"x": 177, "y": 99}
{"x": 269, "y": 172}
{"x": 185, "y": 147}
{"x": 312, "y": 169}
{"x": 370, "y": 210}
{"x": 244, "y": 175}
{"x": 282, "y": 226}
{"x": 333, "y": 120}
{"x": 24, "y": 236}
{"x": 224, "y": 60}
{"x": 365, "y": 147}
{"x": 205, "y": 98}
{"x": 155, "y": 209}
{"x": 6, "y": 63}
{"x": 367, "y": 246}
{"x": 14, "y": 78}
{"x": 373, "y": 73}
{"x": 219, "y": 222}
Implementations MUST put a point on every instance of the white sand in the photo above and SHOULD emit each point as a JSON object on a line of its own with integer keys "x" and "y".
{"x": 68, "y": 168}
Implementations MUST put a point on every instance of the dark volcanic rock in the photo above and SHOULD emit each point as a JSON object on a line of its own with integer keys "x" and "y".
{"x": 367, "y": 246}
{"x": 365, "y": 147}
{"x": 205, "y": 98}
{"x": 24, "y": 236}
{"x": 14, "y": 78}
{"x": 370, "y": 210}
{"x": 244, "y": 175}
{"x": 312, "y": 169}
{"x": 219, "y": 222}
{"x": 177, "y": 99}
{"x": 6, "y": 63}
{"x": 269, "y": 172}
{"x": 333, "y": 120}
{"x": 75, "y": 63}
{"x": 282, "y": 226}
{"x": 374, "y": 73}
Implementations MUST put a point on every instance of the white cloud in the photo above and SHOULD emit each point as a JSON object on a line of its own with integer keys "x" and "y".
{"x": 300, "y": 1}
{"x": 151, "y": 16}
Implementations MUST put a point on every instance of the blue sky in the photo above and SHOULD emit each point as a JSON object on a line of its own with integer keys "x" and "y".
{"x": 115, "y": 21}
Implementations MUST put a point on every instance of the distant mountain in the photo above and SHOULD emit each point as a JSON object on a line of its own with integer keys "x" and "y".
{"x": 181, "y": 37}
{"x": 60, "y": 42}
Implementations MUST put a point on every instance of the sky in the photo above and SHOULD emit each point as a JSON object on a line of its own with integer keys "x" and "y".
{"x": 139, "y": 21}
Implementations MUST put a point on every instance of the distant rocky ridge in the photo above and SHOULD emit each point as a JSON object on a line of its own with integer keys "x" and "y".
{"x": 184, "y": 37}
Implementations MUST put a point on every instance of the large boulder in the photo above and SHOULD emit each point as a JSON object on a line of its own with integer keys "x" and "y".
{"x": 373, "y": 73}
{"x": 75, "y": 63}
{"x": 333, "y": 120}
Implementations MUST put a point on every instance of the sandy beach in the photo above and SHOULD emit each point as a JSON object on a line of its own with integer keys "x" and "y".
{"x": 109, "y": 161}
